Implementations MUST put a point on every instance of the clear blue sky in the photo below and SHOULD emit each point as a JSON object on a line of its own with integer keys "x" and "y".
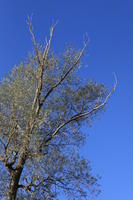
{"x": 110, "y": 27}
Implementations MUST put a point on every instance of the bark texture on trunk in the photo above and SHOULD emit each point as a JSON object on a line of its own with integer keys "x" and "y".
{"x": 16, "y": 173}
{"x": 13, "y": 187}
{"x": 15, "y": 176}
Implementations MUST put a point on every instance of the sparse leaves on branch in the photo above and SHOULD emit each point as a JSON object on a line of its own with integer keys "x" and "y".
{"x": 43, "y": 106}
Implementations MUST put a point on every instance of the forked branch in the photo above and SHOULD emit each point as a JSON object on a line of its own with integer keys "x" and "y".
{"x": 42, "y": 64}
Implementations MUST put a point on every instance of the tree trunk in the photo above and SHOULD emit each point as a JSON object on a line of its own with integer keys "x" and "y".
{"x": 15, "y": 176}
{"x": 13, "y": 187}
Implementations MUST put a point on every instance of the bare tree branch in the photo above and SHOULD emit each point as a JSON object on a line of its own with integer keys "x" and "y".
{"x": 86, "y": 114}
{"x": 41, "y": 63}
{"x": 29, "y": 22}
{"x": 66, "y": 74}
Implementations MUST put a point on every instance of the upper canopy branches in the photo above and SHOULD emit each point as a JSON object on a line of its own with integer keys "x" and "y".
{"x": 43, "y": 103}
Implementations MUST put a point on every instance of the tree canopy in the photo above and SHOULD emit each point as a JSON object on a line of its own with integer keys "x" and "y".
{"x": 44, "y": 105}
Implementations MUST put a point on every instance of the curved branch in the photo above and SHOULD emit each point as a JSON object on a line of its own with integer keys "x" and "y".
{"x": 85, "y": 114}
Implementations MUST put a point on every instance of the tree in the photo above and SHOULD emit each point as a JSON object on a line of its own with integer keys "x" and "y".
{"x": 43, "y": 106}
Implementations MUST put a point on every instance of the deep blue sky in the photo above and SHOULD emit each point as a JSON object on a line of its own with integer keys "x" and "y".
{"x": 110, "y": 27}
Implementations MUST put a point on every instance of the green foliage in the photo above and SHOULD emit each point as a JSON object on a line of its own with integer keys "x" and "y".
{"x": 43, "y": 106}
